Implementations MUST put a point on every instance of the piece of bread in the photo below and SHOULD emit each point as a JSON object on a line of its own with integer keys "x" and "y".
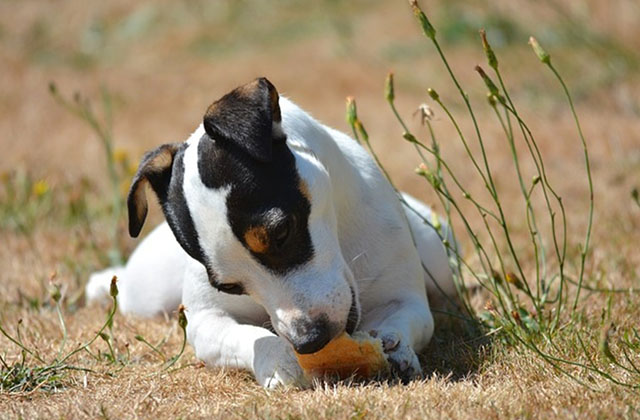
{"x": 359, "y": 355}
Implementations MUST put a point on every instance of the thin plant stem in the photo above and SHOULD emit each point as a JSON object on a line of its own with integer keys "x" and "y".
{"x": 530, "y": 214}
{"x": 541, "y": 172}
{"x": 585, "y": 247}
{"x": 182, "y": 322}
{"x": 152, "y": 347}
{"x": 63, "y": 327}
{"x": 108, "y": 322}
{"x": 502, "y": 221}
{"x": 19, "y": 344}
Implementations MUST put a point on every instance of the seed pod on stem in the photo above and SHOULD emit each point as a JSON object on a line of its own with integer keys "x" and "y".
{"x": 540, "y": 52}
{"x": 433, "y": 94}
{"x": 491, "y": 98}
{"x": 113, "y": 289}
{"x": 55, "y": 293}
{"x": 493, "y": 89}
{"x": 389, "y": 91}
{"x": 491, "y": 56}
{"x": 352, "y": 114}
{"x": 182, "y": 317}
{"x": 427, "y": 27}
{"x": 409, "y": 137}
{"x": 423, "y": 171}
{"x": 512, "y": 278}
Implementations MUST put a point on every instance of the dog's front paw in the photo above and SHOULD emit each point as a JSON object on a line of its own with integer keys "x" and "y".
{"x": 275, "y": 364}
{"x": 402, "y": 359}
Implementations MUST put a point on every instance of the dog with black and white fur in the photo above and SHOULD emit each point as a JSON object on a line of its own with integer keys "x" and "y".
{"x": 281, "y": 233}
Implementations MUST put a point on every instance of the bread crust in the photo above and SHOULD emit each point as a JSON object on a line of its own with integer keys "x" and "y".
{"x": 358, "y": 355}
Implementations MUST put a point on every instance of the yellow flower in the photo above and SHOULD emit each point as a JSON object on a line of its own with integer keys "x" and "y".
{"x": 120, "y": 155}
{"x": 124, "y": 188}
{"x": 40, "y": 188}
{"x": 512, "y": 278}
{"x": 131, "y": 170}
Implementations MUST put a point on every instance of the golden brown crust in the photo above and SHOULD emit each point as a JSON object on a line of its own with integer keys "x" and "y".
{"x": 360, "y": 355}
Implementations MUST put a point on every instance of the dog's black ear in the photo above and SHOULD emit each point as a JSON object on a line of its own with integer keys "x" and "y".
{"x": 155, "y": 169}
{"x": 248, "y": 117}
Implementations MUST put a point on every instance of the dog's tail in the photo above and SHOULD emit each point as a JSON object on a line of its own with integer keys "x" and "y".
{"x": 97, "y": 289}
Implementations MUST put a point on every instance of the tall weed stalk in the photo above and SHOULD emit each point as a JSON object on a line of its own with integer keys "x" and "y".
{"x": 529, "y": 300}
{"x": 103, "y": 128}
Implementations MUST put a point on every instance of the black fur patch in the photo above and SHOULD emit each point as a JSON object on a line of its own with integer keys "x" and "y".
{"x": 244, "y": 118}
{"x": 263, "y": 194}
{"x": 154, "y": 169}
{"x": 163, "y": 169}
{"x": 176, "y": 211}
{"x": 239, "y": 150}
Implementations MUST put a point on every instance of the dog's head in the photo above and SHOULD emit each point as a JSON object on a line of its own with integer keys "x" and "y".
{"x": 259, "y": 217}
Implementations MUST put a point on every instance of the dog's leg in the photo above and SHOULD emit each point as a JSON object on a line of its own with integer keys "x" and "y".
{"x": 405, "y": 326}
{"x": 224, "y": 331}
{"x": 221, "y": 341}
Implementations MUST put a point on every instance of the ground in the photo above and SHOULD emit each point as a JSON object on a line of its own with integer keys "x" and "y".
{"x": 162, "y": 63}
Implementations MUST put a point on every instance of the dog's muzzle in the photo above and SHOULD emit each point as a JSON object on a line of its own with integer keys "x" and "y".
{"x": 314, "y": 335}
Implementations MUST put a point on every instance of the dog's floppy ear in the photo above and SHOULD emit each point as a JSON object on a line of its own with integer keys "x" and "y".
{"x": 246, "y": 117}
{"x": 155, "y": 169}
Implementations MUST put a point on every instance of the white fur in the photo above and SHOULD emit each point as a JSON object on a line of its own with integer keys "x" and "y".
{"x": 361, "y": 240}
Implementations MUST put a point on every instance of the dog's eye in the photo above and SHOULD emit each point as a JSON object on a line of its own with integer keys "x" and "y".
{"x": 231, "y": 288}
{"x": 282, "y": 233}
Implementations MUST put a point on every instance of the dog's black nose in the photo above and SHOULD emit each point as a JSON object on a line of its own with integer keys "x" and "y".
{"x": 312, "y": 337}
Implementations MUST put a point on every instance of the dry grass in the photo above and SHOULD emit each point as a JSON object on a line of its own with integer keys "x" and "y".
{"x": 165, "y": 62}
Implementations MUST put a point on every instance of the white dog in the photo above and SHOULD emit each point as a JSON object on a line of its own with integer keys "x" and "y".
{"x": 282, "y": 233}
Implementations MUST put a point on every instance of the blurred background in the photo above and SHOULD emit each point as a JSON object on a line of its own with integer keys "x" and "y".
{"x": 165, "y": 61}
{"x": 149, "y": 69}
{"x": 86, "y": 87}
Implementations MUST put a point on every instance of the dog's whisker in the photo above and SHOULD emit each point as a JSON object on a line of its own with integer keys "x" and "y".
{"x": 267, "y": 325}
{"x": 365, "y": 279}
{"x": 357, "y": 257}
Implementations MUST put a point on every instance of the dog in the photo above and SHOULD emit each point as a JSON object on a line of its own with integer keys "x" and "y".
{"x": 281, "y": 233}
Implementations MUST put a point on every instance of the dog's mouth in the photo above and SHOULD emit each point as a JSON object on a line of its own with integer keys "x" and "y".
{"x": 353, "y": 319}
{"x": 320, "y": 333}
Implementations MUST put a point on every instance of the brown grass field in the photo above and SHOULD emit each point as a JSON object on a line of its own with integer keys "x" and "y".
{"x": 163, "y": 62}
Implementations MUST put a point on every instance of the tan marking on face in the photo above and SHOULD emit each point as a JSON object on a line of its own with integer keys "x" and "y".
{"x": 257, "y": 239}
{"x": 304, "y": 190}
